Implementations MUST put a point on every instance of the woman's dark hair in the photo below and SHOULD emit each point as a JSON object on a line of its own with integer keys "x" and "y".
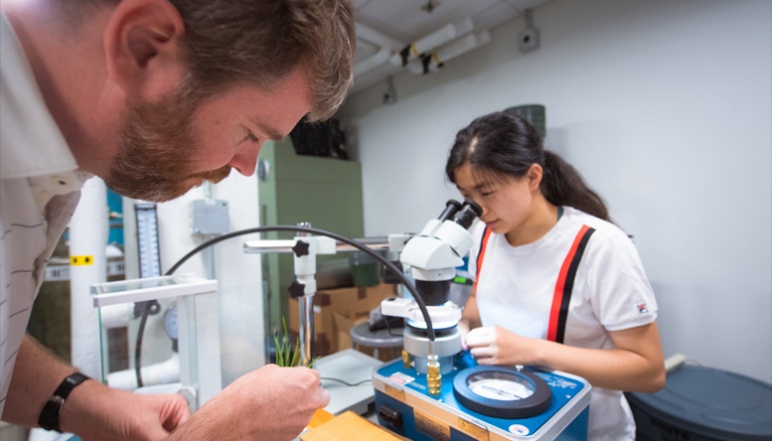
{"x": 505, "y": 144}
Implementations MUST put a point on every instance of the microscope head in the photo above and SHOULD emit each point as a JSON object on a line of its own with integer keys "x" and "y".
{"x": 437, "y": 251}
{"x": 432, "y": 258}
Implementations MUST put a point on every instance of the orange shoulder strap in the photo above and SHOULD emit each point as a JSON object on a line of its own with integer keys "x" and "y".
{"x": 480, "y": 255}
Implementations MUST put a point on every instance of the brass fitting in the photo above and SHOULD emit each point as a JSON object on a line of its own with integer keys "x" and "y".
{"x": 433, "y": 375}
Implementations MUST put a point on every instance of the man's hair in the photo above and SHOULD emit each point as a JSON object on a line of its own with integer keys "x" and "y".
{"x": 259, "y": 41}
{"x": 232, "y": 42}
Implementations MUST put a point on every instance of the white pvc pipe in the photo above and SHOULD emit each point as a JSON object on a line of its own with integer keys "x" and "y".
{"x": 435, "y": 39}
{"x": 159, "y": 373}
{"x": 451, "y": 51}
{"x": 379, "y": 58}
{"x": 367, "y": 33}
{"x": 115, "y": 316}
{"x": 88, "y": 239}
{"x": 466, "y": 44}
{"x": 387, "y": 46}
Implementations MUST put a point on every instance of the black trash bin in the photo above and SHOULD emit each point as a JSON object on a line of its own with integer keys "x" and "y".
{"x": 704, "y": 404}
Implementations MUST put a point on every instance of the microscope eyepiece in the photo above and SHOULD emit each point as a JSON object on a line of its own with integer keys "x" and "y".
{"x": 467, "y": 214}
{"x": 451, "y": 208}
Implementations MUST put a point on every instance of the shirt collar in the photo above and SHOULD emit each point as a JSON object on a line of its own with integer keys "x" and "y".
{"x": 31, "y": 143}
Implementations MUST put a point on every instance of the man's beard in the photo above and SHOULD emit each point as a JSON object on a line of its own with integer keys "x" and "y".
{"x": 155, "y": 161}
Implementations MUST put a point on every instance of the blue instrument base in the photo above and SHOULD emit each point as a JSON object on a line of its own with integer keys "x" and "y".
{"x": 404, "y": 406}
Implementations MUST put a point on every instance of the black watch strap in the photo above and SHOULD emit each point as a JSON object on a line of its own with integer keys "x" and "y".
{"x": 49, "y": 416}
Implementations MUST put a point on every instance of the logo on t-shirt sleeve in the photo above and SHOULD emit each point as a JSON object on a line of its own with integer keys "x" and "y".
{"x": 642, "y": 308}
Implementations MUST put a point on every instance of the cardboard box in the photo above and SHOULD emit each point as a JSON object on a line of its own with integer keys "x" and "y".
{"x": 354, "y": 303}
{"x": 342, "y": 326}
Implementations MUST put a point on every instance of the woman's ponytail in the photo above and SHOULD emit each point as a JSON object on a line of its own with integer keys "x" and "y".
{"x": 562, "y": 184}
{"x": 505, "y": 144}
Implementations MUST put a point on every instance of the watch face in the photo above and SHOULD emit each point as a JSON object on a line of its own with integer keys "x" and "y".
{"x": 502, "y": 386}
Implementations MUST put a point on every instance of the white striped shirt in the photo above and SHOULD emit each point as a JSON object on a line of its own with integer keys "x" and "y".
{"x": 39, "y": 190}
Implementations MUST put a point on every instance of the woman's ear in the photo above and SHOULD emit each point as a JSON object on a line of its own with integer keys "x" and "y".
{"x": 142, "y": 47}
{"x": 535, "y": 174}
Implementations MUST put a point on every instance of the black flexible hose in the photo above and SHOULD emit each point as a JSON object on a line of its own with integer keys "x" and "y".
{"x": 362, "y": 247}
{"x": 138, "y": 347}
{"x": 149, "y": 307}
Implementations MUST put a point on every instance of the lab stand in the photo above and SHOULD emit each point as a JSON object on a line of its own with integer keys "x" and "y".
{"x": 292, "y": 188}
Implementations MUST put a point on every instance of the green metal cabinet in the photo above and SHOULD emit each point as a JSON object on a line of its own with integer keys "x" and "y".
{"x": 326, "y": 192}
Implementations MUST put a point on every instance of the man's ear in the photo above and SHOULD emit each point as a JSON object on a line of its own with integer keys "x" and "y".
{"x": 142, "y": 47}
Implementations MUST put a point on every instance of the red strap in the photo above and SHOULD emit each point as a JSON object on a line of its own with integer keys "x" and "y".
{"x": 483, "y": 246}
{"x": 565, "y": 285}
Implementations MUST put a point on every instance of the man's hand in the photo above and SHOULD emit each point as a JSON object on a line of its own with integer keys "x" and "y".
{"x": 92, "y": 410}
{"x": 272, "y": 404}
{"x": 97, "y": 413}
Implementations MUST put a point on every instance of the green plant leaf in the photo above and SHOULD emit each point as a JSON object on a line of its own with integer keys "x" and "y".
{"x": 288, "y": 355}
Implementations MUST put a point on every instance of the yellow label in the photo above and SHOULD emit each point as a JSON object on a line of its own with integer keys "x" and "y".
{"x": 395, "y": 393}
{"x": 429, "y": 425}
{"x": 479, "y": 433}
{"x": 81, "y": 260}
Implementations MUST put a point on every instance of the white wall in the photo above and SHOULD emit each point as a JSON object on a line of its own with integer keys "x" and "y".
{"x": 664, "y": 106}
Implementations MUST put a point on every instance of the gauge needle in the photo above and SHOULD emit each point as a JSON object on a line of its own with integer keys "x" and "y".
{"x": 501, "y": 392}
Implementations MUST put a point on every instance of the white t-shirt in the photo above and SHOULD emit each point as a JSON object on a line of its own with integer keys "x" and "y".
{"x": 39, "y": 190}
{"x": 611, "y": 292}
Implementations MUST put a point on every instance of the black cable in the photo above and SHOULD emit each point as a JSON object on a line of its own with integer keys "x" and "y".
{"x": 148, "y": 308}
{"x": 390, "y": 332}
{"x": 362, "y": 247}
{"x": 346, "y": 383}
{"x": 138, "y": 347}
{"x": 356, "y": 244}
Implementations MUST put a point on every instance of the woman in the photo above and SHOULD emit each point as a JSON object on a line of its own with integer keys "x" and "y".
{"x": 557, "y": 284}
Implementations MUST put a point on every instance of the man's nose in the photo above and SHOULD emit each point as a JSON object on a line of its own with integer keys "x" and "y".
{"x": 246, "y": 162}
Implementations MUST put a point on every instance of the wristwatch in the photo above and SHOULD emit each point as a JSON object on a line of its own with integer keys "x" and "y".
{"x": 49, "y": 416}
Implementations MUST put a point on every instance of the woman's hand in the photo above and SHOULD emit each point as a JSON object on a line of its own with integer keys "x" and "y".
{"x": 634, "y": 364}
{"x": 494, "y": 345}
{"x": 463, "y": 328}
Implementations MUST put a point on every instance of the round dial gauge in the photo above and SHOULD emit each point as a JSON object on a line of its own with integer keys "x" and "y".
{"x": 170, "y": 322}
{"x": 502, "y": 392}
{"x": 499, "y": 385}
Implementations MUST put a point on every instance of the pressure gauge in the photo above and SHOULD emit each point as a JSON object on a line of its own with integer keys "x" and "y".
{"x": 147, "y": 240}
{"x": 170, "y": 322}
{"x": 502, "y": 392}
{"x": 495, "y": 387}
